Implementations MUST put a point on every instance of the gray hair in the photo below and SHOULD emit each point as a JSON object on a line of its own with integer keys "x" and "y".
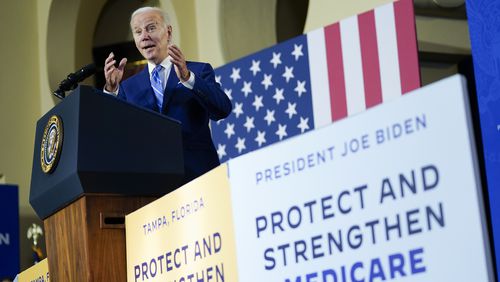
{"x": 162, "y": 14}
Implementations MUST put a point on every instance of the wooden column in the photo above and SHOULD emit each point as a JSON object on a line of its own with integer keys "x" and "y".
{"x": 86, "y": 240}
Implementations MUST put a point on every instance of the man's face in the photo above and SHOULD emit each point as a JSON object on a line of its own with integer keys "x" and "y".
{"x": 151, "y": 36}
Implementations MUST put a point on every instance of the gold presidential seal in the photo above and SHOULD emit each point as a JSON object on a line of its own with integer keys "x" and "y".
{"x": 51, "y": 144}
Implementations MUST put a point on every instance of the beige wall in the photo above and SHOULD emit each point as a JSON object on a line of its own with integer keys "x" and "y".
{"x": 209, "y": 38}
{"x": 19, "y": 91}
{"x": 443, "y": 35}
{"x": 19, "y": 100}
{"x": 324, "y": 12}
{"x": 185, "y": 30}
{"x": 434, "y": 34}
{"x": 247, "y": 26}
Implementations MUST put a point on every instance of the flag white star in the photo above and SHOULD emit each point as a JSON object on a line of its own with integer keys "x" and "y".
{"x": 255, "y": 68}
{"x": 257, "y": 102}
{"x": 269, "y": 117}
{"x": 240, "y": 145}
{"x": 291, "y": 110}
{"x": 297, "y": 51}
{"x": 217, "y": 79}
{"x": 229, "y": 93}
{"x": 288, "y": 74}
{"x": 303, "y": 124}
{"x": 229, "y": 130}
{"x": 238, "y": 109}
{"x": 267, "y": 81}
{"x": 278, "y": 95}
{"x": 247, "y": 88}
{"x": 221, "y": 150}
{"x": 235, "y": 75}
{"x": 249, "y": 123}
{"x": 281, "y": 132}
{"x": 301, "y": 87}
{"x": 261, "y": 137}
{"x": 276, "y": 60}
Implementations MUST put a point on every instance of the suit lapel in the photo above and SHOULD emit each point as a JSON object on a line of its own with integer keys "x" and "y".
{"x": 172, "y": 83}
{"x": 145, "y": 90}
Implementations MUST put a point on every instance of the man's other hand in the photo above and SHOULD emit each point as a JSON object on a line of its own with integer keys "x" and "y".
{"x": 113, "y": 74}
{"x": 179, "y": 62}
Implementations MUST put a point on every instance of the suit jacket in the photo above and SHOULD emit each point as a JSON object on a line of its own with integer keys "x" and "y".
{"x": 193, "y": 108}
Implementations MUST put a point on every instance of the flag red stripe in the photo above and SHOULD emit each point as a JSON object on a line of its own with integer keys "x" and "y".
{"x": 370, "y": 59}
{"x": 335, "y": 64}
{"x": 407, "y": 45}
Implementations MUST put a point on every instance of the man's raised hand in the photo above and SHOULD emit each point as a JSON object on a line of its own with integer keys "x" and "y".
{"x": 113, "y": 74}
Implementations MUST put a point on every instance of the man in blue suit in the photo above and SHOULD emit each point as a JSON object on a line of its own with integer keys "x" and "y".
{"x": 188, "y": 94}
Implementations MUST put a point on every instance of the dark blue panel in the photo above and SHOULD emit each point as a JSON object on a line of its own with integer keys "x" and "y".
{"x": 484, "y": 28}
{"x": 9, "y": 231}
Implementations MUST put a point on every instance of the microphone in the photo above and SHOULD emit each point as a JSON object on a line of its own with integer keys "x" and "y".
{"x": 73, "y": 79}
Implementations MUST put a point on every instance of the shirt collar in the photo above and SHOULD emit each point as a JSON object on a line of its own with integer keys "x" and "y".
{"x": 165, "y": 63}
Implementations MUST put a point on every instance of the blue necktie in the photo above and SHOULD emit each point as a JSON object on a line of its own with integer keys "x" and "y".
{"x": 157, "y": 84}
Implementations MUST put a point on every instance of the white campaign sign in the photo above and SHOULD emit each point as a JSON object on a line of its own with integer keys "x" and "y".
{"x": 391, "y": 194}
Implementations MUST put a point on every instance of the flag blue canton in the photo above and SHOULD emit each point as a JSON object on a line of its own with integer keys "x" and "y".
{"x": 271, "y": 95}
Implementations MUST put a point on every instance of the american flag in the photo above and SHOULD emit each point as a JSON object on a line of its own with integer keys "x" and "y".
{"x": 317, "y": 78}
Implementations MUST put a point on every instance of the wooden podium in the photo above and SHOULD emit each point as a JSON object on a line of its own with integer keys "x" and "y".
{"x": 96, "y": 159}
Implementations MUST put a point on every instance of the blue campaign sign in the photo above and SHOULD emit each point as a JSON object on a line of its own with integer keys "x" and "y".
{"x": 484, "y": 27}
{"x": 9, "y": 231}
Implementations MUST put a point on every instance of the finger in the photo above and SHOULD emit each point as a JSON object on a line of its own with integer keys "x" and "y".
{"x": 122, "y": 64}
{"x": 175, "y": 47}
{"x": 176, "y": 51}
{"x": 176, "y": 62}
{"x": 174, "y": 59}
{"x": 172, "y": 46}
{"x": 111, "y": 63}
{"x": 173, "y": 55}
{"x": 110, "y": 66}
{"x": 178, "y": 59}
{"x": 109, "y": 58}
